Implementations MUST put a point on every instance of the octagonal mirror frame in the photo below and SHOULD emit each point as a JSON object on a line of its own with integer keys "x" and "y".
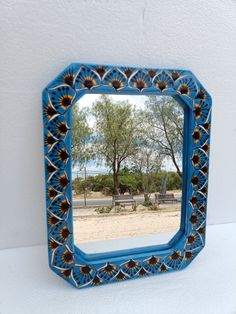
{"x": 67, "y": 260}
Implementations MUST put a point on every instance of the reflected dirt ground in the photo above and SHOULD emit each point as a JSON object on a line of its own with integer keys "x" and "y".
{"x": 90, "y": 226}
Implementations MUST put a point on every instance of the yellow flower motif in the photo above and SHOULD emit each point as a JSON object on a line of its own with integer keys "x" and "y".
{"x": 184, "y": 89}
{"x": 116, "y": 84}
{"x": 162, "y": 85}
{"x": 65, "y": 101}
{"x": 197, "y": 136}
{"x": 68, "y": 79}
{"x": 63, "y": 181}
{"x": 86, "y": 270}
{"x": 88, "y": 82}
{"x": 64, "y": 233}
{"x": 62, "y": 128}
{"x": 140, "y": 84}
{"x": 67, "y": 257}
{"x": 197, "y": 111}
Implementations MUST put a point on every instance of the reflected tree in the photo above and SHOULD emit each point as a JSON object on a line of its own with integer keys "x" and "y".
{"x": 164, "y": 127}
{"x": 81, "y": 137}
{"x": 81, "y": 142}
{"x": 147, "y": 162}
{"x": 116, "y": 138}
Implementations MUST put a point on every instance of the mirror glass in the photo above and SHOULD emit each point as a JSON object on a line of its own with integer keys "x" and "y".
{"x": 126, "y": 171}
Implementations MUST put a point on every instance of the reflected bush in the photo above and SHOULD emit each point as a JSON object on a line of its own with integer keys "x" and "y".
{"x": 132, "y": 182}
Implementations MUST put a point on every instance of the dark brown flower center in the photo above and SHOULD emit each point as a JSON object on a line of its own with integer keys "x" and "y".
{"x": 191, "y": 239}
{"x": 62, "y": 128}
{"x": 196, "y": 135}
{"x": 140, "y": 84}
{"x": 88, "y": 83}
{"x": 206, "y": 148}
{"x": 204, "y": 169}
{"x": 188, "y": 255}
{"x": 120, "y": 276}
{"x": 96, "y": 280}
{"x": 142, "y": 272}
{"x": 109, "y": 268}
{"x": 68, "y": 257}
{"x": 68, "y": 79}
{"x": 86, "y": 270}
{"x": 194, "y": 219}
{"x": 151, "y": 73}
{"x": 204, "y": 190}
{"x": 201, "y": 95}
{"x": 184, "y": 89}
{"x": 53, "y": 220}
{"x": 175, "y": 75}
{"x": 152, "y": 261}
{"x": 195, "y": 180}
{"x": 64, "y": 206}
{"x": 101, "y": 71}
{"x": 196, "y": 159}
{"x": 65, "y": 232}
{"x": 201, "y": 230}
{"x": 131, "y": 264}
{"x": 52, "y": 193}
{"x": 53, "y": 245}
{"x": 162, "y": 85}
{"x": 116, "y": 84}
{"x": 197, "y": 111}
{"x": 63, "y": 155}
{"x": 202, "y": 209}
{"x": 63, "y": 181}
{"x": 51, "y": 168}
{"x": 66, "y": 101}
{"x": 194, "y": 200}
{"x": 128, "y": 72}
{"x": 175, "y": 256}
{"x": 163, "y": 268}
{"x": 206, "y": 125}
{"x": 66, "y": 273}
{"x": 50, "y": 111}
{"x": 50, "y": 140}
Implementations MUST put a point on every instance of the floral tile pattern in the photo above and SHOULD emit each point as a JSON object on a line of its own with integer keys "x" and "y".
{"x": 58, "y": 97}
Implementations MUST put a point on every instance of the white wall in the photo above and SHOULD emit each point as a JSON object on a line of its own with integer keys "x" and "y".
{"x": 40, "y": 38}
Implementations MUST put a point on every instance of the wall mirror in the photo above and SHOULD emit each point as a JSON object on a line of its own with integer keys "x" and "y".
{"x": 126, "y": 168}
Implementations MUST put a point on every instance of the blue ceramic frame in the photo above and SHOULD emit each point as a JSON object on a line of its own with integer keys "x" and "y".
{"x": 65, "y": 259}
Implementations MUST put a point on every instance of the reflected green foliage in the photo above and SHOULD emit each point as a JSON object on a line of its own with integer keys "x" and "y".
{"x": 164, "y": 126}
{"x": 129, "y": 181}
{"x": 81, "y": 152}
{"x": 117, "y": 129}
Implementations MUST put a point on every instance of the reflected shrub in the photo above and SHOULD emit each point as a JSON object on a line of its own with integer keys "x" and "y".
{"x": 132, "y": 182}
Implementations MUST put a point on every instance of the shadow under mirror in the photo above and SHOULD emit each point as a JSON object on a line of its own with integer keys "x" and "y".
{"x": 126, "y": 171}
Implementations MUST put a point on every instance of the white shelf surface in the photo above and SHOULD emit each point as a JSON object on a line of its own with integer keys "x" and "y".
{"x": 208, "y": 285}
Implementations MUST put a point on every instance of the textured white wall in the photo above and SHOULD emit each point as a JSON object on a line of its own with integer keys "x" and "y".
{"x": 40, "y": 38}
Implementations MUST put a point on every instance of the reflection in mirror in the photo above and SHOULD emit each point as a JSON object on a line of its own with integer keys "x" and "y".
{"x": 126, "y": 171}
